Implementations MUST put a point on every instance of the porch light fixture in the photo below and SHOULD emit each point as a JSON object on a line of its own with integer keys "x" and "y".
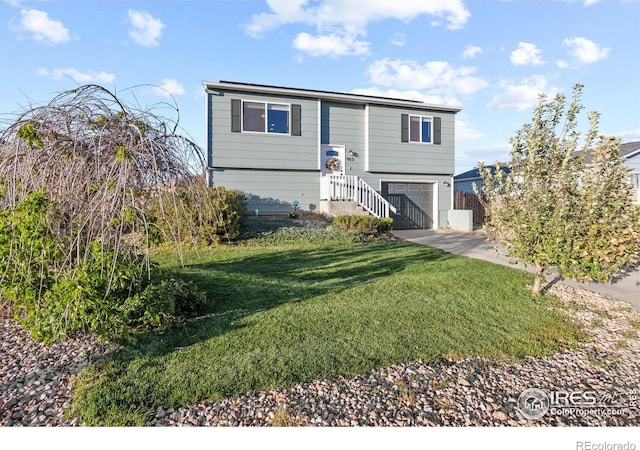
{"x": 446, "y": 183}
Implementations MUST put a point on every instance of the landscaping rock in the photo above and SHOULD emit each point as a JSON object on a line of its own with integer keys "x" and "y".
{"x": 36, "y": 380}
{"x": 500, "y": 416}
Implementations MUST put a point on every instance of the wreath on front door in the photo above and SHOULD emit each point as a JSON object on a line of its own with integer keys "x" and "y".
{"x": 333, "y": 164}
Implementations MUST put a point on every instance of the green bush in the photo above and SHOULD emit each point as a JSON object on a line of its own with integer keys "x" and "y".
{"x": 165, "y": 303}
{"x": 106, "y": 290}
{"x": 50, "y": 297}
{"x": 88, "y": 298}
{"x": 364, "y": 224}
{"x": 302, "y": 235}
{"x": 24, "y": 261}
{"x": 199, "y": 216}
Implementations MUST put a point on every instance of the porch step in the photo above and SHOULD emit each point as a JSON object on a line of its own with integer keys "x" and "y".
{"x": 345, "y": 189}
{"x": 334, "y": 208}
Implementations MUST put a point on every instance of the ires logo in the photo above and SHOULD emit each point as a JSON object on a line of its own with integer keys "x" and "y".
{"x": 535, "y": 403}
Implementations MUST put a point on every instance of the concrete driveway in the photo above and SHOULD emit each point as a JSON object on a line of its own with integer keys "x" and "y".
{"x": 474, "y": 245}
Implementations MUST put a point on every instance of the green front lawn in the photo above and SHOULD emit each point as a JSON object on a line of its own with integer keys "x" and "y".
{"x": 288, "y": 312}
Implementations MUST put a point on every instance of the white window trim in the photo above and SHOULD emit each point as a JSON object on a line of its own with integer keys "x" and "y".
{"x": 266, "y": 116}
{"x": 367, "y": 126}
{"x": 421, "y": 118}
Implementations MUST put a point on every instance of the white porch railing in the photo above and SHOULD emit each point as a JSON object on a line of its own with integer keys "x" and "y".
{"x": 352, "y": 188}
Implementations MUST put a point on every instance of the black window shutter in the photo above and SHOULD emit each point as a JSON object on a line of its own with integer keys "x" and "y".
{"x": 236, "y": 126}
{"x": 296, "y": 127}
{"x": 437, "y": 130}
{"x": 405, "y": 128}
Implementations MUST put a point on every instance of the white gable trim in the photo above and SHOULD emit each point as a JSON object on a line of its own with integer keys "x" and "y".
{"x": 632, "y": 154}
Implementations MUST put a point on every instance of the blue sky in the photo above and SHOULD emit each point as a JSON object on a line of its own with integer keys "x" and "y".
{"x": 492, "y": 58}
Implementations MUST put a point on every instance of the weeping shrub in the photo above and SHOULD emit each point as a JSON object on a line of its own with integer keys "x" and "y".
{"x": 77, "y": 179}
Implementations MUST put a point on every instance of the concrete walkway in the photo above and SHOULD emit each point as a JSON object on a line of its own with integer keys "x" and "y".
{"x": 474, "y": 245}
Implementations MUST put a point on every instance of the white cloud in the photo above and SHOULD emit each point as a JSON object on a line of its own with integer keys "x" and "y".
{"x": 408, "y": 95}
{"x": 77, "y": 76}
{"x": 330, "y": 45}
{"x": 465, "y": 131}
{"x": 440, "y": 77}
{"x": 353, "y": 13}
{"x": 584, "y": 50}
{"x": 588, "y": 2}
{"x": 593, "y": 2}
{"x": 521, "y": 96}
{"x": 526, "y": 55}
{"x": 468, "y": 159}
{"x": 344, "y": 21}
{"x": 145, "y": 29}
{"x": 43, "y": 28}
{"x": 471, "y": 51}
{"x": 169, "y": 86}
{"x": 562, "y": 64}
{"x": 283, "y": 12}
{"x": 629, "y": 136}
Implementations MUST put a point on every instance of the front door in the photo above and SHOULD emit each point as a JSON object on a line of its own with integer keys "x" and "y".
{"x": 332, "y": 159}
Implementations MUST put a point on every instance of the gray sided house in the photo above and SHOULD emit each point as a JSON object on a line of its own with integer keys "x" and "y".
{"x": 331, "y": 152}
{"x": 465, "y": 181}
{"x": 631, "y": 151}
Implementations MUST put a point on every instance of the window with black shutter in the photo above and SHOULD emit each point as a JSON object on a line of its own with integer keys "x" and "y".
{"x": 437, "y": 130}
{"x": 296, "y": 120}
{"x": 420, "y": 129}
{"x": 236, "y": 124}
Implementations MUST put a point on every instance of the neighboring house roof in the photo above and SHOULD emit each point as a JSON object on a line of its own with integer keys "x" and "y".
{"x": 474, "y": 174}
{"x": 627, "y": 150}
{"x": 630, "y": 149}
{"x": 325, "y": 95}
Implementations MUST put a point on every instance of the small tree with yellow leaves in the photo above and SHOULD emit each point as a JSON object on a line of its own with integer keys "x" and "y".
{"x": 562, "y": 207}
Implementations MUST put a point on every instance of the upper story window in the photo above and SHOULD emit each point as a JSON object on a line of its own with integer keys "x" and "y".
{"x": 421, "y": 129}
{"x": 265, "y": 117}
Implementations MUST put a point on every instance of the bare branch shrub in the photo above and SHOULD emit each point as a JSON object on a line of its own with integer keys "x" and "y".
{"x": 101, "y": 165}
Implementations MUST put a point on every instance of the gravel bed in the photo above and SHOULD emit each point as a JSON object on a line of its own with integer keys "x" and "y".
{"x": 35, "y": 383}
{"x": 36, "y": 380}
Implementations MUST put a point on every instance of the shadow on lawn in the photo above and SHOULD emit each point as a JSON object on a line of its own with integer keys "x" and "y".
{"x": 259, "y": 282}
